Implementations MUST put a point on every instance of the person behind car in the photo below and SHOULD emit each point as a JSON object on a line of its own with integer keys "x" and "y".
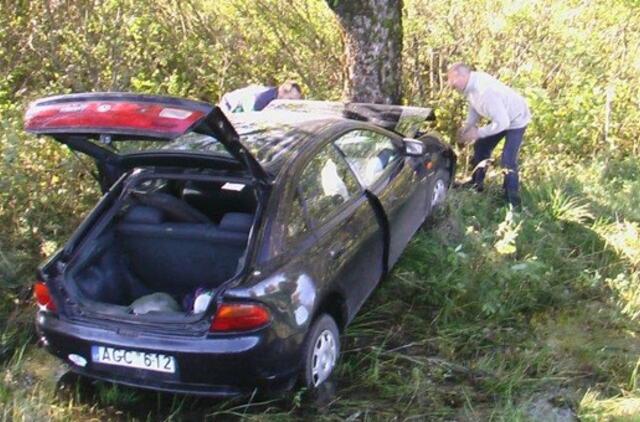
{"x": 257, "y": 97}
{"x": 509, "y": 116}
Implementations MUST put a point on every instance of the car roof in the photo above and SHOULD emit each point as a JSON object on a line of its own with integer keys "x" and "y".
{"x": 275, "y": 136}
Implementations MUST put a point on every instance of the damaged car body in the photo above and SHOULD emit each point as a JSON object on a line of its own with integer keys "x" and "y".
{"x": 229, "y": 253}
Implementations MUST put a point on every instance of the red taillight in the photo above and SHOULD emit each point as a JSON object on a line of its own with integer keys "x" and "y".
{"x": 108, "y": 116}
{"x": 239, "y": 317}
{"x": 43, "y": 296}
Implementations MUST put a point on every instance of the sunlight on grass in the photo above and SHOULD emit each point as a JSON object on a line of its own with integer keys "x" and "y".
{"x": 623, "y": 236}
{"x": 626, "y": 408}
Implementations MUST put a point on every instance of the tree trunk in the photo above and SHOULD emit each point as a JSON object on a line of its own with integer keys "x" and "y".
{"x": 373, "y": 43}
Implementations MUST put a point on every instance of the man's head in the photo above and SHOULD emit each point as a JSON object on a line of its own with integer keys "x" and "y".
{"x": 289, "y": 91}
{"x": 458, "y": 76}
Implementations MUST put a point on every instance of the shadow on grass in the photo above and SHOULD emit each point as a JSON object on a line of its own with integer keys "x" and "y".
{"x": 140, "y": 404}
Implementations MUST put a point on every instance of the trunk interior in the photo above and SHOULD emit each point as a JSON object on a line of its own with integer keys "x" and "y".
{"x": 177, "y": 237}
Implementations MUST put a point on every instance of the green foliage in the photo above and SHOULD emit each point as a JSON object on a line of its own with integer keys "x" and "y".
{"x": 193, "y": 48}
{"x": 576, "y": 63}
{"x": 486, "y": 309}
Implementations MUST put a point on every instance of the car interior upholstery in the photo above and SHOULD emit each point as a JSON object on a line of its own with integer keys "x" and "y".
{"x": 171, "y": 239}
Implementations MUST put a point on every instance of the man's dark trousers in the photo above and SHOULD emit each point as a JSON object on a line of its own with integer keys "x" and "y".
{"x": 482, "y": 150}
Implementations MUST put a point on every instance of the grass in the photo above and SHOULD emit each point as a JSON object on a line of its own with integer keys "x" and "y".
{"x": 489, "y": 315}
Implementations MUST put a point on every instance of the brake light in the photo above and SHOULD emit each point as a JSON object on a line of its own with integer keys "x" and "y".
{"x": 239, "y": 317}
{"x": 43, "y": 297}
{"x": 110, "y": 117}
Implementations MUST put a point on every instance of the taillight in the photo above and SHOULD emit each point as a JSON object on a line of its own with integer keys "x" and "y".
{"x": 43, "y": 297}
{"x": 109, "y": 116}
{"x": 239, "y": 317}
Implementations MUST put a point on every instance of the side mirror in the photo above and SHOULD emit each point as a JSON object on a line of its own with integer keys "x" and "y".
{"x": 414, "y": 148}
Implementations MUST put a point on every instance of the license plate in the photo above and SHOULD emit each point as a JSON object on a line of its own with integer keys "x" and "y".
{"x": 133, "y": 359}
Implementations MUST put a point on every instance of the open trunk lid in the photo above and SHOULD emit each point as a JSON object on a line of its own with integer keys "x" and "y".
{"x": 76, "y": 119}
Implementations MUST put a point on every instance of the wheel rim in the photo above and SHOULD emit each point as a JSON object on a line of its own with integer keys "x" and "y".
{"x": 439, "y": 193}
{"x": 324, "y": 357}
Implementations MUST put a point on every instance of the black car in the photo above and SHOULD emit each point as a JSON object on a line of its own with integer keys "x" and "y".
{"x": 228, "y": 252}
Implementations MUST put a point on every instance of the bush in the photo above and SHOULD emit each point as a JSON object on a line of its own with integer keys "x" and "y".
{"x": 482, "y": 288}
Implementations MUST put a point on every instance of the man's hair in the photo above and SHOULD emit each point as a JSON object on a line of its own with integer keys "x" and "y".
{"x": 460, "y": 69}
{"x": 288, "y": 87}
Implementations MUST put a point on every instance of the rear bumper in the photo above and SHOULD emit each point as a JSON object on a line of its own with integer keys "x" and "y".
{"x": 222, "y": 366}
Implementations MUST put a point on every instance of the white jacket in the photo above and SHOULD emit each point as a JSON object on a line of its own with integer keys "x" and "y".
{"x": 493, "y": 100}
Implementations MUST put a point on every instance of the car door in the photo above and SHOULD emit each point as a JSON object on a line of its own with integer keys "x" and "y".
{"x": 397, "y": 181}
{"x": 350, "y": 242}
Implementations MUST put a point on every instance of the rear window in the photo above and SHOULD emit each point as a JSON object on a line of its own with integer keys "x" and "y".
{"x": 189, "y": 142}
{"x": 266, "y": 145}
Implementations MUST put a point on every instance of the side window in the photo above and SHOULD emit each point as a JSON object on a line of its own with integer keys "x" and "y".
{"x": 369, "y": 153}
{"x": 326, "y": 183}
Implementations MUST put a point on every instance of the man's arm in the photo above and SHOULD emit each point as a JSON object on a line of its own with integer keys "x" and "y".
{"x": 472, "y": 118}
{"x": 498, "y": 114}
{"x": 468, "y": 131}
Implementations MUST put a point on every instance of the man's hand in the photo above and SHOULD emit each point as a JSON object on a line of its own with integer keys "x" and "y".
{"x": 467, "y": 135}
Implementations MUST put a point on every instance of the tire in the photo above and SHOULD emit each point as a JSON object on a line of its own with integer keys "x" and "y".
{"x": 438, "y": 190}
{"x": 320, "y": 352}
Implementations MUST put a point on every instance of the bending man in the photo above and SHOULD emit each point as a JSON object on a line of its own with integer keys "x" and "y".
{"x": 509, "y": 116}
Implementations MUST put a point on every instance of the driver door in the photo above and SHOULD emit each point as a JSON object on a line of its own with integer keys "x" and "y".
{"x": 385, "y": 171}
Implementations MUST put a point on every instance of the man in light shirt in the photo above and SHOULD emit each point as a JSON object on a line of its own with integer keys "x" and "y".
{"x": 508, "y": 116}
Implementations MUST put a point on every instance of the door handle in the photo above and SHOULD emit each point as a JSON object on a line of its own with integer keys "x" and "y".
{"x": 336, "y": 253}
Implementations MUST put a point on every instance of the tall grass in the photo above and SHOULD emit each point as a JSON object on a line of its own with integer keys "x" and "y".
{"x": 490, "y": 314}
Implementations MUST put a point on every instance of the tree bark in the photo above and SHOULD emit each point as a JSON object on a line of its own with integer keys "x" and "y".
{"x": 373, "y": 49}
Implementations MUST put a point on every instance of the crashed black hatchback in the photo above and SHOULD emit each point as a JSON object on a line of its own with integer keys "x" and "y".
{"x": 229, "y": 252}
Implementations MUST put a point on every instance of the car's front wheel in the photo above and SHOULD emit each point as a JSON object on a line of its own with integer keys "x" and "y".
{"x": 438, "y": 190}
{"x": 321, "y": 351}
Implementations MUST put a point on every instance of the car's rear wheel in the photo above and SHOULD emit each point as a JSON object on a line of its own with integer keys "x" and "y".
{"x": 321, "y": 351}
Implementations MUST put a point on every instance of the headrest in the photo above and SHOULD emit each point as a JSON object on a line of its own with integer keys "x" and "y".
{"x": 200, "y": 188}
{"x": 385, "y": 155}
{"x": 144, "y": 215}
{"x": 236, "y": 222}
{"x": 172, "y": 207}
